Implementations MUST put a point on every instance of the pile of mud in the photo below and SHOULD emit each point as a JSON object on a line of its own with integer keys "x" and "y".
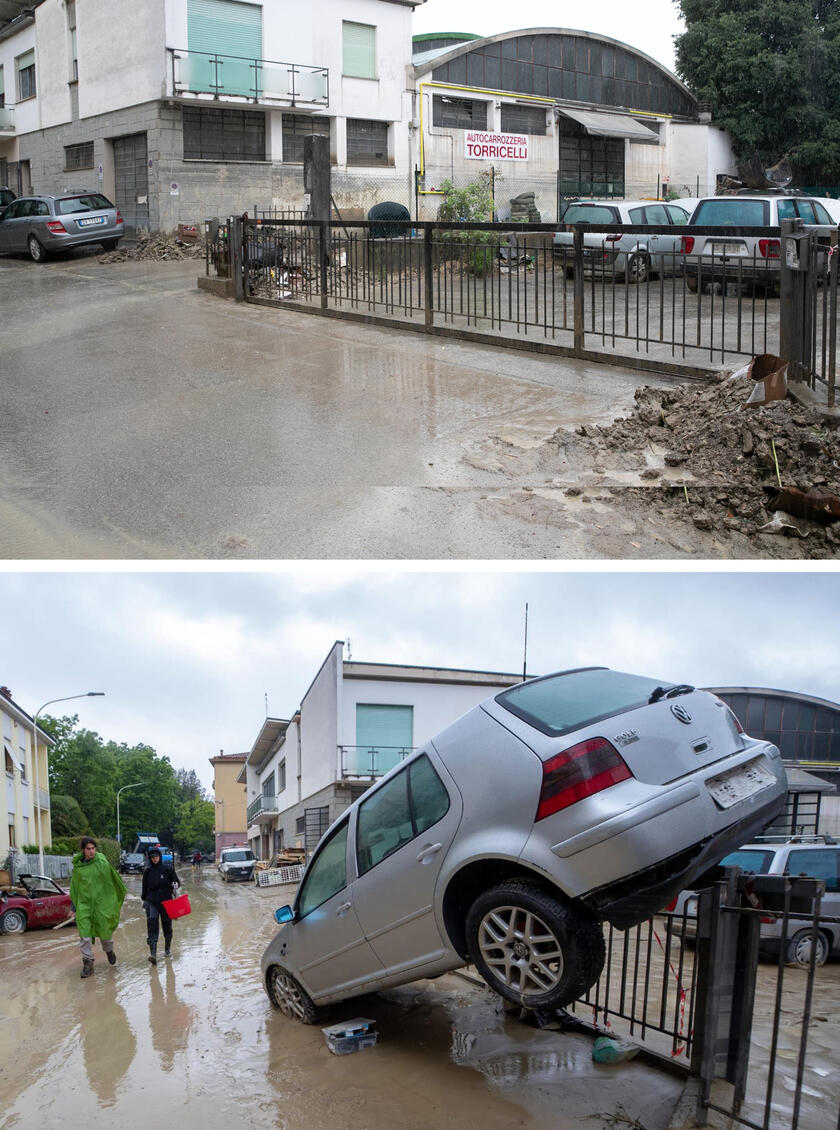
{"x": 723, "y": 462}
{"x": 157, "y": 246}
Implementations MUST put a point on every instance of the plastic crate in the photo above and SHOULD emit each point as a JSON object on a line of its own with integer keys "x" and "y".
{"x": 351, "y": 1036}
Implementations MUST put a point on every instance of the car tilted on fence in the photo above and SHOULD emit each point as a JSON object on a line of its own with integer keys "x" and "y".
{"x": 634, "y": 255}
{"x": 507, "y": 839}
{"x": 34, "y": 901}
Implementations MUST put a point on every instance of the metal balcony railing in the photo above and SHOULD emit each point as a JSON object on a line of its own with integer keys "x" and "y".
{"x": 259, "y": 80}
{"x": 7, "y": 118}
{"x": 262, "y": 806}
{"x": 371, "y": 761}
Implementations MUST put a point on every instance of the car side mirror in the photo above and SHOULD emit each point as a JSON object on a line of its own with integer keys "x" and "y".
{"x": 284, "y": 914}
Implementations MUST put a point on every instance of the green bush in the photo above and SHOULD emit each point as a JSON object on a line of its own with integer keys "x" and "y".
{"x": 462, "y": 205}
{"x": 66, "y": 817}
{"x": 111, "y": 850}
{"x": 30, "y": 849}
{"x": 63, "y": 845}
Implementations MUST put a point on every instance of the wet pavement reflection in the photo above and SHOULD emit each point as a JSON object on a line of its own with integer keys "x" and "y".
{"x": 195, "y": 1040}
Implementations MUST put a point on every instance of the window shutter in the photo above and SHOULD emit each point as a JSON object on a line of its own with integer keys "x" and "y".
{"x": 27, "y": 60}
{"x": 225, "y": 27}
{"x": 359, "y": 59}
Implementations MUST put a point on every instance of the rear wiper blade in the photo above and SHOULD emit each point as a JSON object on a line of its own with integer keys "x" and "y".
{"x": 680, "y": 688}
{"x": 656, "y": 694}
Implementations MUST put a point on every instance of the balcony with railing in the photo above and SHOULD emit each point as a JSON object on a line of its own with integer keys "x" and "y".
{"x": 369, "y": 762}
{"x": 263, "y": 810}
{"x": 7, "y": 119}
{"x": 201, "y": 76}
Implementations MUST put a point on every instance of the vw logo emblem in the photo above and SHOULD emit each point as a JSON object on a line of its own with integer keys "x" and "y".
{"x": 681, "y": 714}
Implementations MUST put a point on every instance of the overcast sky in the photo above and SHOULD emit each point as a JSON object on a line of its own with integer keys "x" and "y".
{"x": 186, "y": 659}
{"x": 649, "y": 25}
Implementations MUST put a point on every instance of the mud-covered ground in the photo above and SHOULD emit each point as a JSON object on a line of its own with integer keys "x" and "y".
{"x": 194, "y": 1042}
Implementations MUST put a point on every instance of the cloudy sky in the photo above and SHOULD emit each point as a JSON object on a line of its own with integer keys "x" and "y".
{"x": 650, "y": 25}
{"x": 186, "y": 659}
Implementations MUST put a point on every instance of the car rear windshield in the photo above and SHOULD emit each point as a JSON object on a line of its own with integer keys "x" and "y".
{"x": 90, "y": 202}
{"x": 134, "y": 857}
{"x": 562, "y": 703}
{"x": 238, "y": 856}
{"x": 590, "y": 214}
{"x": 749, "y": 860}
{"x": 730, "y": 212}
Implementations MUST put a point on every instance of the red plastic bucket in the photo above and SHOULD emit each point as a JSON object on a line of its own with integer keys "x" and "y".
{"x": 177, "y": 908}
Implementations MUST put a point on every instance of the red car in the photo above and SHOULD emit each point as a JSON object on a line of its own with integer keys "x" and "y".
{"x": 35, "y": 901}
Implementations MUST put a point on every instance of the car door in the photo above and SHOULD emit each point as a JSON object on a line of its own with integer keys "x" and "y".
{"x": 331, "y": 953}
{"x": 10, "y": 225}
{"x": 820, "y": 863}
{"x": 402, "y": 832}
{"x": 658, "y": 245}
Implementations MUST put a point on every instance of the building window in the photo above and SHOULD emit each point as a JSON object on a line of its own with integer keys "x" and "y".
{"x": 268, "y": 786}
{"x": 295, "y": 128}
{"x": 10, "y": 763}
{"x": 26, "y": 75}
{"x": 23, "y": 766}
{"x": 367, "y": 142}
{"x": 384, "y": 735}
{"x": 458, "y": 113}
{"x": 359, "y": 55}
{"x": 74, "y": 57}
{"x": 78, "y": 156}
{"x": 12, "y": 841}
{"x": 281, "y": 776}
{"x": 523, "y": 119}
{"x": 223, "y": 135}
{"x": 300, "y": 825}
{"x": 2, "y": 95}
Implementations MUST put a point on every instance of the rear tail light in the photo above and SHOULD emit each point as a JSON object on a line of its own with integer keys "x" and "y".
{"x": 770, "y": 248}
{"x": 56, "y": 227}
{"x": 119, "y": 217}
{"x": 612, "y": 238}
{"x": 686, "y": 244}
{"x": 578, "y": 772}
{"x": 671, "y": 904}
{"x": 768, "y": 920}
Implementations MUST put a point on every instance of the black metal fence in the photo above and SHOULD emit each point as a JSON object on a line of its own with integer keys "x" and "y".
{"x": 629, "y": 295}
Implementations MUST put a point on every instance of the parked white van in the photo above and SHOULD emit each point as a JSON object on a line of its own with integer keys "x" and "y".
{"x": 236, "y": 863}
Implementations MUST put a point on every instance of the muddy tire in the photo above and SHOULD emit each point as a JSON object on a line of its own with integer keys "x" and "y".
{"x": 533, "y": 948}
{"x": 287, "y": 994}
{"x": 110, "y": 244}
{"x": 13, "y": 922}
{"x": 799, "y": 949}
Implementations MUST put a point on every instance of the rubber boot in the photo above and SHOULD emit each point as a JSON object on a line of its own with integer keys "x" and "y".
{"x": 87, "y": 967}
{"x": 153, "y": 952}
{"x": 168, "y": 951}
{"x": 112, "y": 957}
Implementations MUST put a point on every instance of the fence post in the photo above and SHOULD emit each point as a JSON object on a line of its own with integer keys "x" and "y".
{"x": 579, "y": 342}
{"x": 324, "y": 250}
{"x": 427, "y": 268}
{"x": 236, "y": 239}
{"x": 790, "y": 307}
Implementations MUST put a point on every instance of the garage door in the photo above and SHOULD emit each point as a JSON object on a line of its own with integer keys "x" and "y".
{"x": 131, "y": 181}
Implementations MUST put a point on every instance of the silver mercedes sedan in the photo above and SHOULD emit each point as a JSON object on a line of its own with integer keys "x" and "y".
{"x": 42, "y": 225}
{"x": 582, "y": 797}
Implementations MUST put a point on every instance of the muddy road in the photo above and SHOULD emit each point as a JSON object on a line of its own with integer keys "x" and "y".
{"x": 194, "y": 1042}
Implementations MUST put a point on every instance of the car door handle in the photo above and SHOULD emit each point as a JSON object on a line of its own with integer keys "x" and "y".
{"x": 342, "y": 910}
{"x": 428, "y": 851}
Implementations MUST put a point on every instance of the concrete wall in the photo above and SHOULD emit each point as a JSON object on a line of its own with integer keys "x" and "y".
{"x": 26, "y": 113}
{"x": 20, "y": 786}
{"x": 122, "y": 61}
{"x": 319, "y": 727}
{"x": 698, "y": 152}
{"x": 229, "y": 796}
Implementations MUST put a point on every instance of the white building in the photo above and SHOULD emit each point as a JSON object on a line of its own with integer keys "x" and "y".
{"x": 182, "y": 109}
{"x": 27, "y": 782}
{"x": 355, "y": 722}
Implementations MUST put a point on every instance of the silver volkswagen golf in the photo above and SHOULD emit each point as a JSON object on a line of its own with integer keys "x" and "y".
{"x": 42, "y": 225}
{"x": 569, "y": 800}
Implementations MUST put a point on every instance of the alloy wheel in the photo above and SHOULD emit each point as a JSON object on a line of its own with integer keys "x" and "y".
{"x": 520, "y": 950}
{"x": 13, "y": 922}
{"x": 286, "y": 993}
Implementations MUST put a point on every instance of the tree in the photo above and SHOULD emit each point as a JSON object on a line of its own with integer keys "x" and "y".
{"x": 66, "y": 817}
{"x": 769, "y": 70}
{"x": 82, "y": 767}
{"x": 189, "y": 785}
{"x": 194, "y": 828}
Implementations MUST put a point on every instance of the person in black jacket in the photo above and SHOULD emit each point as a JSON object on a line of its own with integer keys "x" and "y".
{"x": 159, "y": 883}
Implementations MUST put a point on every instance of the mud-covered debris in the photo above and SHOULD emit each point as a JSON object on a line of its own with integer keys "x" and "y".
{"x": 812, "y": 504}
{"x": 154, "y": 246}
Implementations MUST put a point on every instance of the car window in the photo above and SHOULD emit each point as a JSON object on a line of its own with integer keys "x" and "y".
{"x": 561, "y": 703}
{"x": 786, "y": 209}
{"x": 820, "y": 863}
{"x": 749, "y": 860}
{"x": 822, "y": 214}
{"x": 14, "y": 211}
{"x": 39, "y": 208}
{"x": 241, "y": 856}
{"x": 677, "y": 215}
{"x": 590, "y": 214}
{"x": 90, "y": 202}
{"x": 656, "y": 214}
{"x": 328, "y": 873}
{"x": 637, "y": 215}
{"x": 399, "y": 810}
{"x": 731, "y": 212}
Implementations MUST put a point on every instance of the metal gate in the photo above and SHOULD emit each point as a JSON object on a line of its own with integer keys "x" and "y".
{"x": 131, "y": 181}
{"x": 316, "y": 822}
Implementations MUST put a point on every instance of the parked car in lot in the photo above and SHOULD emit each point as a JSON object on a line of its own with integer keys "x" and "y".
{"x": 236, "y": 863}
{"x": 43, "y": 225}
{"x": 585, "y": 796}
{"x": 132, "y": 862}
{"x": 815, "y": 856}
{"x": 35, "y": 901}
{"x": 634, "y": 256}
{"x": 752, "y": 260}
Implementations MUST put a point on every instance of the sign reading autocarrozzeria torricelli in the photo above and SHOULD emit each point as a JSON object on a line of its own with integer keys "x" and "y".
{"x": 481, "y": 146}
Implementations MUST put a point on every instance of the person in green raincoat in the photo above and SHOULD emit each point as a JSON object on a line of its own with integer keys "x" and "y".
{"x": 97, "y": 893}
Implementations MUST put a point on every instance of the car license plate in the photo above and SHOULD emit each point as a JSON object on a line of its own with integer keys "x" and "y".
{"x": 90, "y": 221}
{"x": 737, "y": 784}
{"x": 727, "y": 249}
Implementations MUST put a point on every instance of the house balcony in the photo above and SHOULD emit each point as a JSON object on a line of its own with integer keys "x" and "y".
{"x": 263, "y": 810}
{"x": 41, "y": 799}
{"x": 7, "y": 119}
{"x": 199, "y": 77}
{"x": 364, "y": 762}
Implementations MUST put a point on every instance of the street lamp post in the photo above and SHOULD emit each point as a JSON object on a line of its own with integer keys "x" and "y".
{"x": 87, "y": 694}
{"x": 136, "y": 785}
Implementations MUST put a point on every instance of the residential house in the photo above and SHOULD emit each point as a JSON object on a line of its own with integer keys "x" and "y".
{"x": 185, "y": 109}
{"x": 229, "y": 797}
{"x": 27, "y": 778}
{"x": 355, "y": 722}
